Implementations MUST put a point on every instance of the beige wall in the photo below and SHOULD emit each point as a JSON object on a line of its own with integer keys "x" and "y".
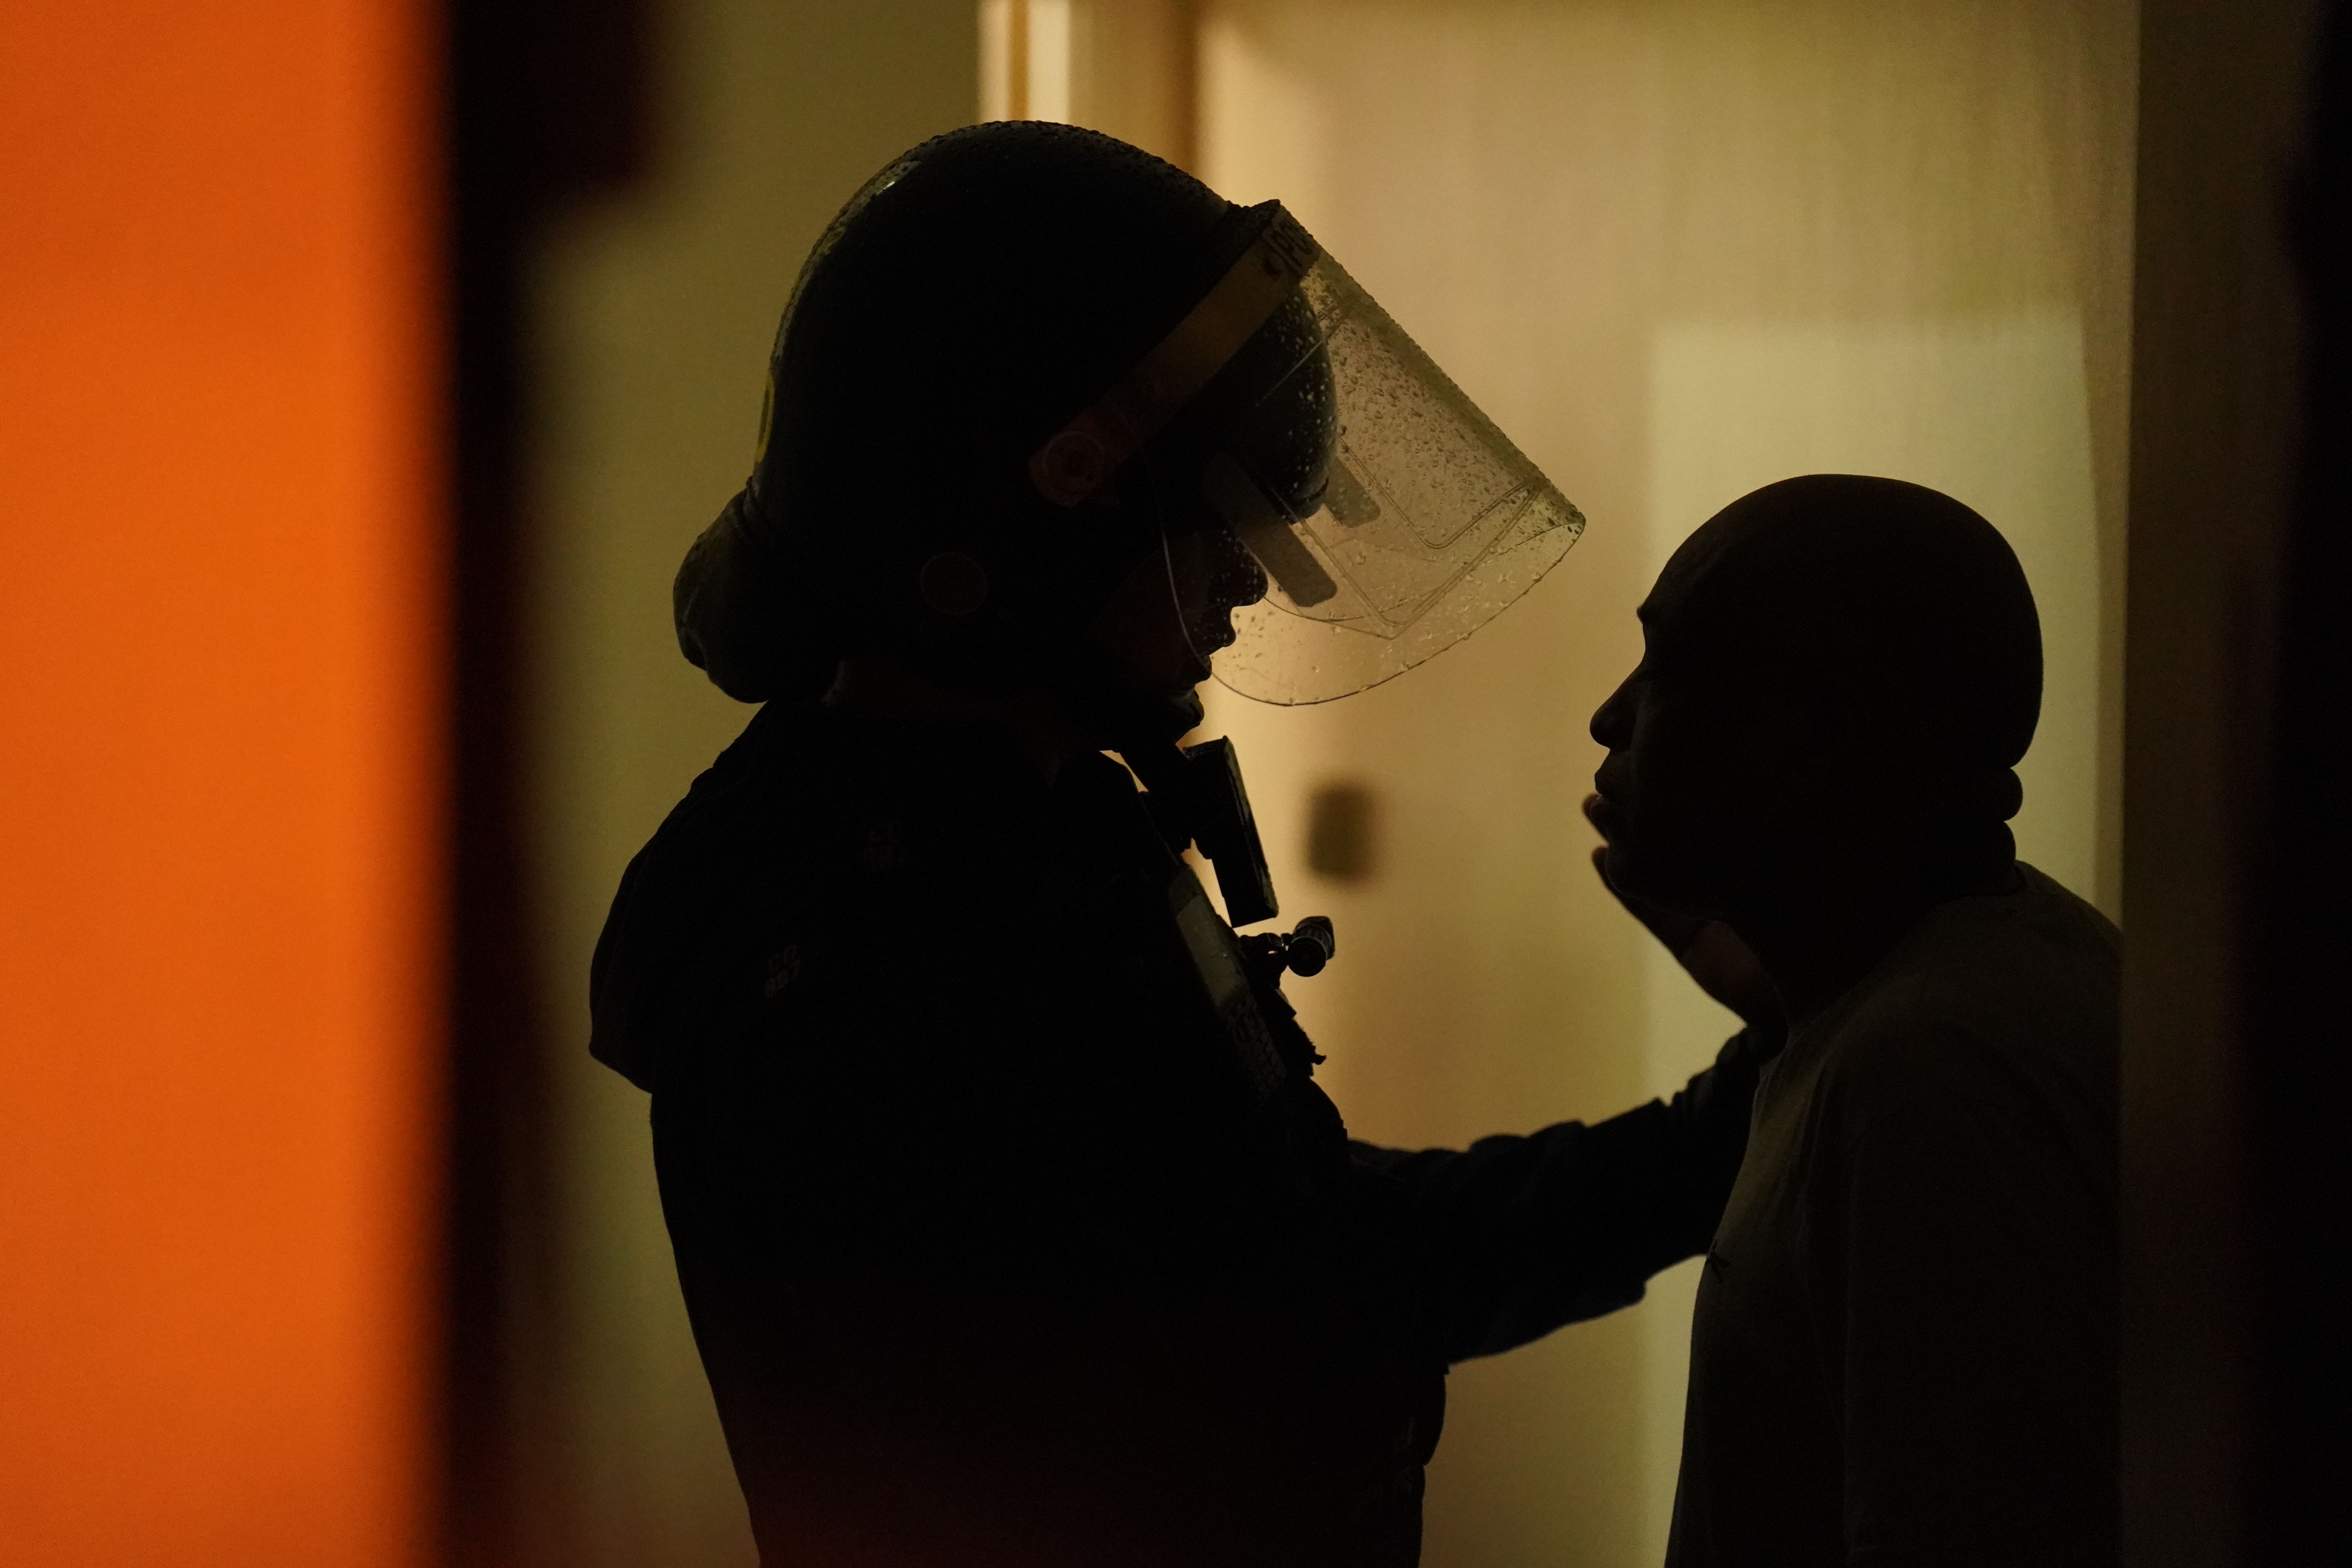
{"x": 1676, "y": 251}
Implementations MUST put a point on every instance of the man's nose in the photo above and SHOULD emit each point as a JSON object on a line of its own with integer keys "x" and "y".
{"x": 1612, "y": 720}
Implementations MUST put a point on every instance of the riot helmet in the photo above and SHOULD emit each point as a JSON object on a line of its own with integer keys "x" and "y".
{"x": 1026, "y": 360}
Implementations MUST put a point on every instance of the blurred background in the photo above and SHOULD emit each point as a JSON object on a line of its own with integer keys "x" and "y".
{"x": 367, "y": 365}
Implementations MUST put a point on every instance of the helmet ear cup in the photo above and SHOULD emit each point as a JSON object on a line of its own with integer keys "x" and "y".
{"x": 1071, "y": 467}
{"x": 953, "y": 584}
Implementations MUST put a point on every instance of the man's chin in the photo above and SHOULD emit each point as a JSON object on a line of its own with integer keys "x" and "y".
{"x": 1623, "y": 868}
{"x": 1640, "y": 876}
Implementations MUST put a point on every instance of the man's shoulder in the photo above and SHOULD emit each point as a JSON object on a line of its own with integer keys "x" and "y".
{"x": 2017, "y": 961}
{"x": 2010, "y": 996}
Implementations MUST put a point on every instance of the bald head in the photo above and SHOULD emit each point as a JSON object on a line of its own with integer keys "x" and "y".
{"x": 1836, "y": 668}
{"x": 1908, "y": 600}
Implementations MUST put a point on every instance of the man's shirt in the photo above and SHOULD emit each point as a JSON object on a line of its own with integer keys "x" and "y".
{"x": 1904, "y": 1350}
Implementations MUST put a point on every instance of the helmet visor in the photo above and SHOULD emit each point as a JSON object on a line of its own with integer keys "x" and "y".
{"x": 1391, "y": 516}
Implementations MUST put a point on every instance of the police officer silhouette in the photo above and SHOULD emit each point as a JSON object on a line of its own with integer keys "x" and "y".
{"x": 1012, "y": 1224}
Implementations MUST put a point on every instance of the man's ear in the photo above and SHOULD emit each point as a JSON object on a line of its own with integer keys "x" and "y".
{"x": 1809, "y": 728}
{"x": 1833, "y": 719}
{"x": 1803, "y": 719}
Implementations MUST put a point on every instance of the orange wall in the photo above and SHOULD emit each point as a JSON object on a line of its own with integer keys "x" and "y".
{"x": 219, "y": 780}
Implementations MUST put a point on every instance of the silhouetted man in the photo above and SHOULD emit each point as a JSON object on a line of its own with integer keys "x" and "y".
{"x": 1904, "y": 1348}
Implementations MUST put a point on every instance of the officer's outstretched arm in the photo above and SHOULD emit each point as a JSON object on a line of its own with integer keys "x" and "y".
{"x": 1515, "y": 1236}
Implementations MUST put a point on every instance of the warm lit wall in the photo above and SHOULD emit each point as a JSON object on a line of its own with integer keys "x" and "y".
{"x": 655, "y": 314}
{"x": 1125, "y": 68}
{"x": 219, "y": 766}
{"x": 1677, "y": 251}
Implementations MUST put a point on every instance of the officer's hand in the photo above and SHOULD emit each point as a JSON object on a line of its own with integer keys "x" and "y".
{"x": 1725, "y": 967}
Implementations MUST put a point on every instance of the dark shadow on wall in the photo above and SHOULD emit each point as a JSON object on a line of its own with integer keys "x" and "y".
{"x": 548, "y": 104}
{"x": 2304, "y": 1086}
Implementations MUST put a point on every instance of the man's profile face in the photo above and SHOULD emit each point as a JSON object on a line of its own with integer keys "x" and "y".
{"x": 1700, "y": 739}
